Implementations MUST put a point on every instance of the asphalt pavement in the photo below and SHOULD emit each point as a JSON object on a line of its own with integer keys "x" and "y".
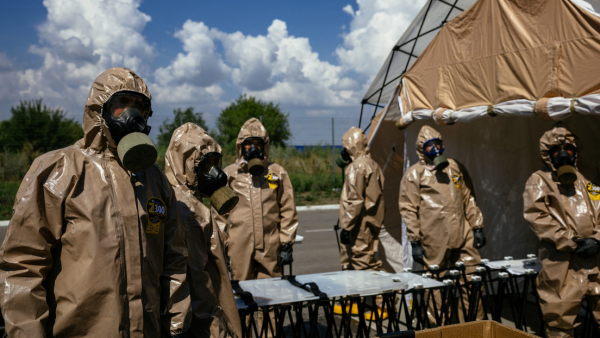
{"x": 318, "y": 252}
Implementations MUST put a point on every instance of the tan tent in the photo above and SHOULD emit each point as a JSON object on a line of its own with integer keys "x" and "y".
{"x": 494, "y": 65}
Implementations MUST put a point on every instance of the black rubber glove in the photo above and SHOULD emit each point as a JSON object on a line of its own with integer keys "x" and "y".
{"x": 285, "y": 255}
{"x": 587, "y": 247}
{"x": 418, "y": 252}
{"x": 345, "y": 237}
{"x": 479, "y": 240}
{"x": 184, "y": 335}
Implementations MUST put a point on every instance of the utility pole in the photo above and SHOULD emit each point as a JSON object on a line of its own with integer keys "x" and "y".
{"x": 332, "y": 153}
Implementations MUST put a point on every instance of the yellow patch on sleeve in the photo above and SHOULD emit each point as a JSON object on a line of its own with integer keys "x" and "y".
{"x": 157, "y": 212}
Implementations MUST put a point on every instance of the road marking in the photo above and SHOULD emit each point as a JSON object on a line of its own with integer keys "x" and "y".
{"x": 319, "y": 230}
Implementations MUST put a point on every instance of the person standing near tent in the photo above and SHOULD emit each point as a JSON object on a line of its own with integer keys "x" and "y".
{"x": 96, "y": 247}
{"x": 443, "y": 223}
{"x": 193, "y": 167}
{"x": 562, "y": 208}
{"x": 362, "y": 207}
{"x": 262, "y": 227}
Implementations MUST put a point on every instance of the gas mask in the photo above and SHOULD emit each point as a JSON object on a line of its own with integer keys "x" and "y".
{"x": 212, "y": 181}
{"x": 254, "y": 155}
{"x": 344, "y": 158}
{"x": 563, "y": 158}
{"x": 125, "y": 114}
{"x": 436, "y": 153}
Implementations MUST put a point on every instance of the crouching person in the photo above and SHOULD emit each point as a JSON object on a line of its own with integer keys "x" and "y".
{"x": 193, "y": 167}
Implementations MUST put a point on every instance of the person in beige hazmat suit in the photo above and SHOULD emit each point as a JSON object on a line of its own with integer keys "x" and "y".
{"x": 262, "y": 227}
{"x": 562, "y": 208}
{"x": 95, "y": 247}
{"x": 362, "y": 207}
{"x": 193, "y": 167}
{"x": 443, "y": 222}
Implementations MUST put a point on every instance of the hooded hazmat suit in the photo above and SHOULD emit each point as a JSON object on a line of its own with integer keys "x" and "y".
{"x": 558, "y": 214}
{"x": 265, "y": 217}
{"x": 439, "y": 210}
{"x": 213, "y": 306}
{"x": 93, "y": 250}
{"x": 362, "y": 205}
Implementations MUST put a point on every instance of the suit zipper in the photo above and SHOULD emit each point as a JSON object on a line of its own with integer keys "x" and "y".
{"x": 122, "y": 262}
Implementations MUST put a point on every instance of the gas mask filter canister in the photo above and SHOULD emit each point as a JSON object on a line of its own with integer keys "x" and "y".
{"x": 212, "y": 181}
{"x": 254, "y": 155}
{"x": 436, "y": 153}
{"x": 125, "y": 114}
{"x": 563, "y": 158}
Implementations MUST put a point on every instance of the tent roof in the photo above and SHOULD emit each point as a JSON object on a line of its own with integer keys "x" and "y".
{"x": 470, "y": 37}
{"x": 425, "y": 26}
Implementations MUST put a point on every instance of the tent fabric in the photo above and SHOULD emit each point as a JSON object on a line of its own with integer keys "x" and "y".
{"x": 534, "y": 57}
{"x": 415, "y": 39}
{"x": 500, "y": 155}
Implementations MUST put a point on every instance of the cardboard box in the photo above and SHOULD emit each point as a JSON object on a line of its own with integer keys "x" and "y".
{"x": 480, "y": 329}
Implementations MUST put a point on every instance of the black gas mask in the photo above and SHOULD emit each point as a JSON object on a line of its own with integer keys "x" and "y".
{"x": 434, "y": 150}
{"x": 212, "y": 182}
{"x": 563, "y": 158}
{"x": 344, "y": 158}
{"x": 254, "y": 155}
{"x": 125, "y": 114}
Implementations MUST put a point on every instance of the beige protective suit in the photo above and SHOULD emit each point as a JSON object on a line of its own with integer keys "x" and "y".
{"x": 362, "y": 205}
{"x": 440, "y": 211}
{"x": 265, "y": 217}
{"x": 213, "y": 306}
{"x": 558, "y": 214}
{"x": 87, "y": 253}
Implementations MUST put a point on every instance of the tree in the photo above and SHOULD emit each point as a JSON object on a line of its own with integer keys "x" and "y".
{"x": 180, "y": 117}
{"x": 233, "y": 117}
{"x": 38, "y": 128}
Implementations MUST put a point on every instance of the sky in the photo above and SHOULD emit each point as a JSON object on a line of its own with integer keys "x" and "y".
{"x": 316, "y": 59}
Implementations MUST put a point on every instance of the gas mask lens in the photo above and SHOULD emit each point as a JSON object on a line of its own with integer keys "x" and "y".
{"x": 125, "y": 114}
{"x": 209, "y": 161}
{"x": 434, "y": 150}
{"x": 563, "y": 158}
{"x": 122, "y": 101}
{"x": 252, "y": 151}
{"x": 212, "y": 182}
{"x": 433, "y": 147}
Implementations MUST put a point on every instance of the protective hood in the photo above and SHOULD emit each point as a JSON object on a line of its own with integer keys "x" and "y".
{"x": 252, "y": 128}
{"x": 188, "y": 145}
{"x": 425, "y": 134}
{"x": 355, "y": 141}
{"x": 558, "y": 135}
{"x": 96, "y": 133}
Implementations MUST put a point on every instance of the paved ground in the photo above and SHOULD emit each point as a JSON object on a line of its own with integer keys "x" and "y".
{"x": 319, "y": 251}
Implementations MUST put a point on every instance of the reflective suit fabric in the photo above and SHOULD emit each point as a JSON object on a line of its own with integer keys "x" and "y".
{"x": 362, "y": 205}
{"x": 70, "y": 261}
{"x": 558, "y": 214}
{"x": 439, "y": 210}
{"x": 265, "y": 217}
{"x": 213, "y": 305}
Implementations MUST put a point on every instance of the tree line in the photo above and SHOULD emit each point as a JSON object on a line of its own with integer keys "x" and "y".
{"x": 35, "y": 128}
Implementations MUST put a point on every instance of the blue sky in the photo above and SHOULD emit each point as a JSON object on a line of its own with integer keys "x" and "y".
{"x": 314, "y": 58}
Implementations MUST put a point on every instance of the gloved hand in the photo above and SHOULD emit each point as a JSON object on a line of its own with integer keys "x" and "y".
{"x": 345, "y": 237}
{"x": 587, "y": 247}
{"x": 418, "y": 252}
{"x": 479, "y": 240}
{"x": 285, "y": 255}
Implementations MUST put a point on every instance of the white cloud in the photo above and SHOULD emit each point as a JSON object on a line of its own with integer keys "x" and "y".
{"x": 275, "y": 67}
{"x": 376, "y": 26}
{"x": 79, "y": 40}
{"x": 200, "y": 66}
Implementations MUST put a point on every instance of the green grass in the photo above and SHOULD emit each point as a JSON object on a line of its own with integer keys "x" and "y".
{"x": 8, "y": 191}
{"x": 310, "y": 173}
